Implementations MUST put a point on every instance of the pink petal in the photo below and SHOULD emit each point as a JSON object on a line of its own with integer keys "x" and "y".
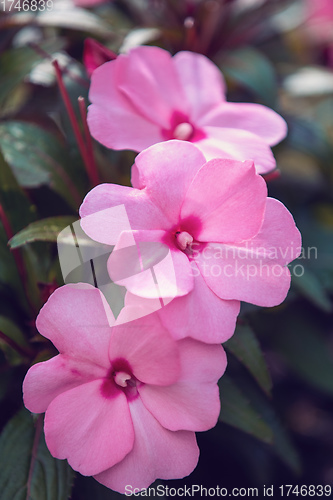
{"x": 228, "y": 198}
{"x": 149, "y": 349}
{"x": 166, "y": 171}
{"x": 78, "y": 320}
{"x": 112, "y": 119}
{"x": 110, "y": 209}
{"x": 122, "y": 129}
{"x": 149, "y": 79}
{"x": 157, "y": 454}
{"x": 201, "y": 314}
{"x": 202, "y": 81}
{"x": 255, "y": 118}
{"x": 45, "y": 381}
{"x": 193, "y": 402}
{"x": 239, "y": 145}
{"x": 253, "y": 271}
{"x": 143, "y": 263}
{"x": 91, "y": 431}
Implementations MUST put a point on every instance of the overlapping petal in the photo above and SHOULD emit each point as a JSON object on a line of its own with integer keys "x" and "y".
{"x": 203, "y": 83}
{"x": 149, "y": 349}
{"x": 77, "y": 319}
{"x": 45, "y": 381}
{"x": 201, "y": 314}
{"x": 238, "y": 144}
{"x": 110, "y": 209}
{"x": 165, "y": 171}
{"x": 157, "y": 454}
{"x": 254, "y": 271}
{"x": 193, "y": 401}
{"x": 148, "y": 76}
{"x": 256, "y": 118}
{"x": 148, "y": 267}
{"x": 91, "y": 431}
{"x": 232, "y": 212}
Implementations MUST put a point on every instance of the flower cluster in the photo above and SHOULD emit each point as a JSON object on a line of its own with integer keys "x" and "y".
{"x": 194, "y": 236}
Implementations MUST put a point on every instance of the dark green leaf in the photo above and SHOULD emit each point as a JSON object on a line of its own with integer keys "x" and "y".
{"x": 46, "y": 477}
{"x": 306, "y": 351}
{"x": 310, "y": 287}
{"x": 14, "y": 202}
{"x": 13, "y": 332}
{"x": 282, "y": 445}
{"x": 15, "y": 64}
{"x": 38, "y": 157}
{"x": 42, "y": 230}
{"x": 252, "y": 69}
{"x": 245, "y": 347}
{"x": 238, "y": 411}
{"x": 19, "y": 213}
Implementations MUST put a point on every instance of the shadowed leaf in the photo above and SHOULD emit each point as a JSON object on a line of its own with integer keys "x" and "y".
{"x": 27, "y": 466}
{"x": 245, "y": 347}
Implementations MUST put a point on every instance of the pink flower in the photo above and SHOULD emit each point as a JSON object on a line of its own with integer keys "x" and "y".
{"x": 147, "y": 96}
{"x": 227, "y": 240}
{"x": 122, "y": 403}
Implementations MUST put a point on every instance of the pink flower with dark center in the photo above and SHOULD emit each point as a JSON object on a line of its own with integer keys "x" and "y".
{"x": 122, "y": 402}
{"x": 227, "y": 240}
{"x": 147, "y": 96}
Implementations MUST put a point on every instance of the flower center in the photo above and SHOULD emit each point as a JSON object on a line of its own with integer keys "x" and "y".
{"x": 184, "y": 240}
{"x": 183, "y": 131}
{"x": 122, "y": 378}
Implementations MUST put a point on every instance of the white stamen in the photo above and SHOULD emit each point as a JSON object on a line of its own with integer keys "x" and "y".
{"x": 121, "y": 378}
{"x": 184, "y": 240}
{"x": 183, "y": 131}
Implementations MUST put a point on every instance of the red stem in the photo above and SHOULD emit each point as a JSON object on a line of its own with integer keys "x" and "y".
{"x": 72, "y": 118}
{"x": 65, "y": 69}
{"x": 91, "y": 166}
{"x": 15, "y": 252}
{"x": 38, "y": 433}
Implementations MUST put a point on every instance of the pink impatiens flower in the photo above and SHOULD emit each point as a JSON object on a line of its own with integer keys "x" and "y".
{"x": 122, "y": 402}
{"x": 228, "y": 241}
{"x": 147, "y": 96}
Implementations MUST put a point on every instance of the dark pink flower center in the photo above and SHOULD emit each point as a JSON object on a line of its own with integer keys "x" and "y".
{"x": 182, "y": 128}
{"x": 120, "y": 376}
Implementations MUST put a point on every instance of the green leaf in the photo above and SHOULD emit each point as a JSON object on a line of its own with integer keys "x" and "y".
{"x": 8, "y": 271}
{"x": 42, "y": 230}
{"x": 15, "y": 64}
{"x": 26, "y": 464}
{"x": 306, "y": 351}
{"x": 37, "y": 157}
{"x": 238, "y": 412}
{"x": 245, "y": 347}
{"x": 282, "y": 445}
{"x": 19, "y": 213}
{"x": 13, "y": 200}
{"x": 252, "y": 69}
{"x": 13, "y": 332}
{"x": 310, "y": 287}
